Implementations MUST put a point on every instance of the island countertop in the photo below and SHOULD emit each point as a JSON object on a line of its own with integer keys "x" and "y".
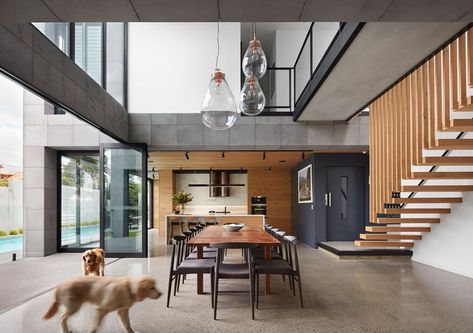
{"x": 213, "y": 215}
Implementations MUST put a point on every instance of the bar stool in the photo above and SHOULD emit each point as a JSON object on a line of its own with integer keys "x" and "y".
{"x": 175, "y": 225}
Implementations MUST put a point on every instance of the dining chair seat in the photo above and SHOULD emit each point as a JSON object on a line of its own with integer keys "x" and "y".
{"x": 233, "y": 271}
{"x": 195, "y": 266}
{"x": 273, "y": 266}
{"x": 205, "y": 255}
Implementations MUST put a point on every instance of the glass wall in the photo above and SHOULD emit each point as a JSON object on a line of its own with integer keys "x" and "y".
{"x": 115, "y": 60}
{"x": 80, "y": 200}
{"x": 11, "y": 168}
{"x": 58, "y": 33}
{"x": 123, "y": 171}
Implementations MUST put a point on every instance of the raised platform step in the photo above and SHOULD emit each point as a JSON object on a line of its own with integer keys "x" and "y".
{"x": 397, "y": 220}
{"x": 448, "y": 160}
{"x": 453, "y": 144}
{"x": 428, "y": 200}
{"x": 460, "y": 125}
{"x": 363, "y": 243}
{"x": 418, "y": 210}
{"x": 442, "y": 175}
{"x": 396, "y": 229}
{"x": 389, "y": 237}
{"x": 437, "y": 188}
{"x": 348, "y": 251}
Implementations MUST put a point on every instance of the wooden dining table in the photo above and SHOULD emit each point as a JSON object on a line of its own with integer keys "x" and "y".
{"x": 247, "y": 235}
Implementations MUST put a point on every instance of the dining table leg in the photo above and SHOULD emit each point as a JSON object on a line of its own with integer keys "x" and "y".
{"x": 267, "y": 256}
{"x": 200, "y": 276}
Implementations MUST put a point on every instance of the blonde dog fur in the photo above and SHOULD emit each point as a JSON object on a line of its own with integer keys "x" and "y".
{"x": 108, "y": 293}
{"x": 93, "y": 262}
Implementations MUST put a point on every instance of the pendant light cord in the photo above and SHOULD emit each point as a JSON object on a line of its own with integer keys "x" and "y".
{"x": 218, "y": 45}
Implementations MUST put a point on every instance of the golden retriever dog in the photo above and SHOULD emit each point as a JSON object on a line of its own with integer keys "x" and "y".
{"x": 93, "y": 262}
{"x": 108, "y": 293}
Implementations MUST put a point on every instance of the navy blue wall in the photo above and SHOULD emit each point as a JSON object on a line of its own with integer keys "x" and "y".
{"x": 309, "y": 219}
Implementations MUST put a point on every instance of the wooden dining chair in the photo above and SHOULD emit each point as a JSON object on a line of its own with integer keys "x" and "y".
{"x": 289, "y": 267}
{"x": 181, "y": 266}
{"x": 234, "y": 271}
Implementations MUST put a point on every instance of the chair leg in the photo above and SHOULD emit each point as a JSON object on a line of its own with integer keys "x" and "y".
{"x": 169, "y": 289}
{"x": 300, "y": 289}
{"x": 179, "y": 282}
{"x": 252, "y": 295}
{"x": 293, "y": 285}
{"x": 284, "y": 278}
{"x": 176, "y": 282}
{"x": 216, "y": 297}
{"x": 212, "y": 288}
{"x": 257, "y": 291}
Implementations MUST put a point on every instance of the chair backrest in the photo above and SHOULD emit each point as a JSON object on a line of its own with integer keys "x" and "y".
{"x": 178, "y": 247}
{"x": 221, "y": 247}
{"x": 291, "y": 243}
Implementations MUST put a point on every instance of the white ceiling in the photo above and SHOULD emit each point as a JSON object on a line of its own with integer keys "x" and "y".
{"x": 236, "y": 10}
{"x": 379, "y": 55}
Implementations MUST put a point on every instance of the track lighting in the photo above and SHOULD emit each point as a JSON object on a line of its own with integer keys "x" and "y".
{"x": 264, "y": 155}
{"x": 187, "y": 155}
{"x": 223, "y": 155}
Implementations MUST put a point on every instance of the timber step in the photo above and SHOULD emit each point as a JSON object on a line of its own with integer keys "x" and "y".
{"x": 428, "y": 200}
{"x": 437, "y": 188}
{"x": 442, "y": 175}
{"x": 418, "y": 210}
{"x": 452, "y": 144}
{"x": 383, "y": 243}
{"x": 396, "y": 229}
{"x": 389, "y": 237}
{"x": 460, "y": 125}
{"x": 448, "y": 160}
{"x": 397, "y": 220}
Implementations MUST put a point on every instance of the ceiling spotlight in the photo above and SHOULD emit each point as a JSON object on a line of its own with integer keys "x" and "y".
{"x": 269, "y": 169}
{"x": 264, "y": 155}
{"x": 303, "y": 155}
{"x": 153, "y": 169}
{"x": 187, "y": 155}
{"x": 223, "y": 155}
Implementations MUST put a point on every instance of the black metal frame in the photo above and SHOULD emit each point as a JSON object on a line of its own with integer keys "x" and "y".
{"x": 60, "y": 154}
{"x": 143, "y": 147}
{"x": 151, "y": 202}
{"x": 340, "y": 43}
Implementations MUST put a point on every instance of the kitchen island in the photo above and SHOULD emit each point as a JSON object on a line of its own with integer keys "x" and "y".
{"x": 184, "y": 219}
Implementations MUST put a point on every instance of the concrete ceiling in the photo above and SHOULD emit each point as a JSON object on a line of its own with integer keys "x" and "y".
{"x": 379, "y": 55}
{"x": 236, "y": 10}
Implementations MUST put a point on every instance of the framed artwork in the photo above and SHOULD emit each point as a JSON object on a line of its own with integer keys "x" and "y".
{"x": 304, "y": 184}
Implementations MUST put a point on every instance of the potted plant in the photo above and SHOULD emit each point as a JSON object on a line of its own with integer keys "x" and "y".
{"x": 181, "y": 199}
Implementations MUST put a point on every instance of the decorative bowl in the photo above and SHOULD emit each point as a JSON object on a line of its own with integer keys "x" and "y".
{"x": 233, "y": 226}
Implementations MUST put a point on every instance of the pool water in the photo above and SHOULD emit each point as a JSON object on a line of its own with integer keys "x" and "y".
{"x": 11, "y": 243}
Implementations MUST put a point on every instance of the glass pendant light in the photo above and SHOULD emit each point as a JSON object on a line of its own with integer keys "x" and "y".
{"x": 218, "y": 109}
{"x": 254, "y": 61}
{"x": 252, "y": 100}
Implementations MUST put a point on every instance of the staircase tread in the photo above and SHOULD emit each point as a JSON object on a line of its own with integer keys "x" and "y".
{"x": 383, "y": 243}
{"x": 429, "y": 200}
{"x": 396, "y": 229}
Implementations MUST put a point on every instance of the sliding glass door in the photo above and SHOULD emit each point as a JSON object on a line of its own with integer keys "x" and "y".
{"x": 79, "y": 201}
{"x": 123, "y": 192}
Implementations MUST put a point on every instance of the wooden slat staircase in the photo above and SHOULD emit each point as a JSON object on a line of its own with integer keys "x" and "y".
{"x": 409, "y": 125}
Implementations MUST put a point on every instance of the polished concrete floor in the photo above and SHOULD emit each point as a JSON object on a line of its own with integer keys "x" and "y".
{"x": 340, "y": 296}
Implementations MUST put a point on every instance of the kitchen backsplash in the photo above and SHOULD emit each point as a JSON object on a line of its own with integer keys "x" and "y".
{"x": 237, "y": 201}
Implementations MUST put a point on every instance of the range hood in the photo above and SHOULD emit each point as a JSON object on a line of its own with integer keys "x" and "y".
{"x": 219, "y": 184}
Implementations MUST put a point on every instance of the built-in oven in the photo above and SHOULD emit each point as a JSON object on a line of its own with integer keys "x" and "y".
{"x": 258, "y": 205}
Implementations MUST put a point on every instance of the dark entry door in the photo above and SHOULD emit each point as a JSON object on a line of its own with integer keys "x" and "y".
{"x": 123, "y": 199}
{"x": 345, "y": 201}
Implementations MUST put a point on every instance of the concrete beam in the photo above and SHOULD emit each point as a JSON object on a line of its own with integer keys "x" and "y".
{"x": 29, "y": 57}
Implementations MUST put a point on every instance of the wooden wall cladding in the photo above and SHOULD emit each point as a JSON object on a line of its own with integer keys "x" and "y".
{"x": 404, "y": 120}
{"x": 276, "y": 186}
{"x": 166, "y": 189}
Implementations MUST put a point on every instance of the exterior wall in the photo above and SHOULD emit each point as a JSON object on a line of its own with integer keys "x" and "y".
{"x": 171, "y": 131}
{"x": 169, "y": 64}
{"x": 43, "y": 134}
{"x": 11, "y": 210}
{"x": 29, "y": 56}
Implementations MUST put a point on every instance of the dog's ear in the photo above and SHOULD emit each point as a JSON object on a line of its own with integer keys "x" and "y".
{"x": 83, "y": 257}
{"x": 142, "y": 290}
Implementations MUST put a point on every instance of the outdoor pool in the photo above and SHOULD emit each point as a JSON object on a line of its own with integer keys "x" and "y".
{"x": 11, "y": 243}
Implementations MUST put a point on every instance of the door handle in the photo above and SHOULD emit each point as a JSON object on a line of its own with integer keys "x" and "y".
{"x": 328, "y": 199}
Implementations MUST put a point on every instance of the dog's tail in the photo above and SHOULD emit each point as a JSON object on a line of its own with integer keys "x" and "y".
{"x": 54, "y": 307}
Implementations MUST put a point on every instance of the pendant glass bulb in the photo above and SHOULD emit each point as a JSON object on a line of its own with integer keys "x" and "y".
{"x": 218, "y": 110}
{"x": 254, "y": 61}
{"x": 252, "y": 100}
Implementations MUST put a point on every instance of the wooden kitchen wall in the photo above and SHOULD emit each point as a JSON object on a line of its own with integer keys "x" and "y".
{"x": 165, "y": 191}
{"x": 276, "y": 186}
